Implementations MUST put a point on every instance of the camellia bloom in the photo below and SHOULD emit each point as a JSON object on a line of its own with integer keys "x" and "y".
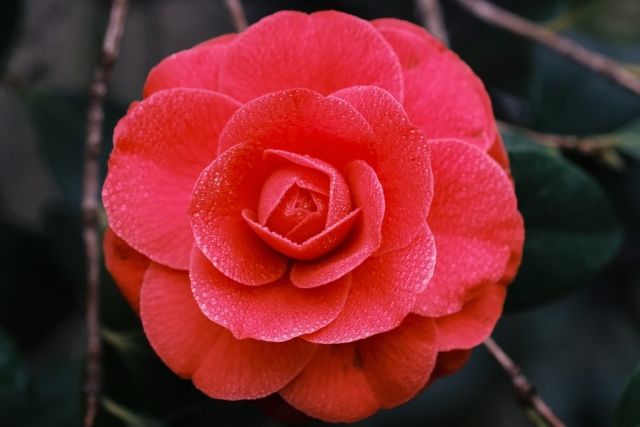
{"x": 319, "y": 207}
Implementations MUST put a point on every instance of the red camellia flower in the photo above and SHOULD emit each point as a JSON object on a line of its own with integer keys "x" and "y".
{"x": 319, "y": 207}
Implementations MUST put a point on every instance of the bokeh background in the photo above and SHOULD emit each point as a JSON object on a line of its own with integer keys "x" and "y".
{"x": 573, "y": 318}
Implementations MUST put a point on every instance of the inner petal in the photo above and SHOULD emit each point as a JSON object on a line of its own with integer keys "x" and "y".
{"x": 317, "y": 175}
{"x": 300, "y": 214}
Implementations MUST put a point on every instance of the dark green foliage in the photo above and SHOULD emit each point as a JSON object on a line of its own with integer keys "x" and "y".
{"x": 571, "y": 231}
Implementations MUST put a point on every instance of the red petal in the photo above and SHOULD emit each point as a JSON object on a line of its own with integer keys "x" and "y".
{"x": 448, "y": 363}
{"x": 349, "y": 382}
{"x": 398, "y": 363}
{"x": 167, "y": 141}
{"x": 338, "y": 191}
{"x": 474, "y": 323}
{"x": 499, "y": 154}
{"x": 383, "y": 292}
{"x": 403, "y": 166}
{"x": 127, "y": 267}
{"x": 122, "y": 122}
{"x": 303, "y": 122}
{"x": 325, "y": 52}
{"x": 193, "y": 346}
{"x": 333, "y": 386}
{"x": 364, "y": 239}
{"x": 443, "y": 96}
{"x": 275, "y": 407}
{"x": 476, "y": 224}
{"x": 312, "y": 248}
{"x": 231, "y": 183}
{"x": 196, "y": 68}
{"x": 277, "y": 186}
{"x": 277, "y": 311}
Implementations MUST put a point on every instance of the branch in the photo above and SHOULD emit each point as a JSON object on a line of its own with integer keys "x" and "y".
{"x": 90, "y": 202}
{"x": 237, "y": 13}
{"x": 595, "y": 61}
{"x": 526, "y": 394}
{"x": 585, "y": 144}
{"x": 432, "y": 19}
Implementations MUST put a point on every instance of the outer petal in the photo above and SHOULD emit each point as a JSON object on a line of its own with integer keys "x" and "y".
{"x": 474, "y": 323}
{"x": 348, "y": 382}
{"x": 304, "y": 122}
{"x": 404, "y": 167}
{"x": 499, "y": 154}
{"x": 325, "y": 52}
{"x": 441, "y": 109}
{"x": 127, "y": 267}
{"x": 277, "y": 311}
{"x": 333, "y": 386}
{"x": 122, "y": 122}
{"x": 166, "y": 142}
{"x": 193, "y": 346}
{"x": 448, "y": 363}
{"x": 365, "y": 236}
{"x": 398, "y": 363}
{"x": 196, "y": 68}
{"x": 383, "y": 291}
{"x": 476, "y": 224}
{"x": 223, "y": 190}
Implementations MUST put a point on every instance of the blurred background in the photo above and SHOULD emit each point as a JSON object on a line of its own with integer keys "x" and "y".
{"x": 573, "y": 315}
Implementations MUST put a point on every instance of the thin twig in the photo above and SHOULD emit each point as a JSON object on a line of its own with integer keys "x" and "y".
{"x": 432, "y": 19}
{"x": 526, "y": 394}
{"x": 90, "y": 203}
{"x": 237, "y": 13}
{"x": 585, "y": 144}
{"x": 593, "y": 60}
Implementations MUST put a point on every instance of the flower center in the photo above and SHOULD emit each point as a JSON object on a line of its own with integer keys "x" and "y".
{"x": 300, "y": 214}
{"x": 304, "y": 203}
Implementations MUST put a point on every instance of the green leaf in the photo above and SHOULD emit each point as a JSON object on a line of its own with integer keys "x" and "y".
{"x": 628, "y": 138}
{"x": 571, "y": 231}
{"x": 51, "y": 398}
{"x": 129, "y": 417}
{"x": 13, "y": 376}
{"x": 610, "y": 20}
{"x": 628, "y": 412}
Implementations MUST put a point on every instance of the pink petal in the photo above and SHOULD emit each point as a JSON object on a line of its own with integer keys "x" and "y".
{"x": 312, "y": 248}
{"x": 333, "y": 386}
{"x": 349, "y": 382}
{"x": 197, "y": 68}
{"x": 127, "y": 267}
{"x": 403, "y": 166}
{"x": 167, "y": 140}
{"x": 474, "y": 323}
{"x": 499, "y": 154}
{"x": 399, "y": 363}
{"x": 303, "y": 122}
{"x": 194, "y": 347}
{"x": 276, "y": 311}
{"x": 383, "y": 292}
{"x": 338, "y": 191}
{"x": 280, "y": 182}
{"x": 476, "y": 224}
{"x": 448, "y": 363}
{"x": 365, "y": 237}
{"x": 230, "y": 184}
{"x": 443, "y": 97}
{"x": 325, "y": 52}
